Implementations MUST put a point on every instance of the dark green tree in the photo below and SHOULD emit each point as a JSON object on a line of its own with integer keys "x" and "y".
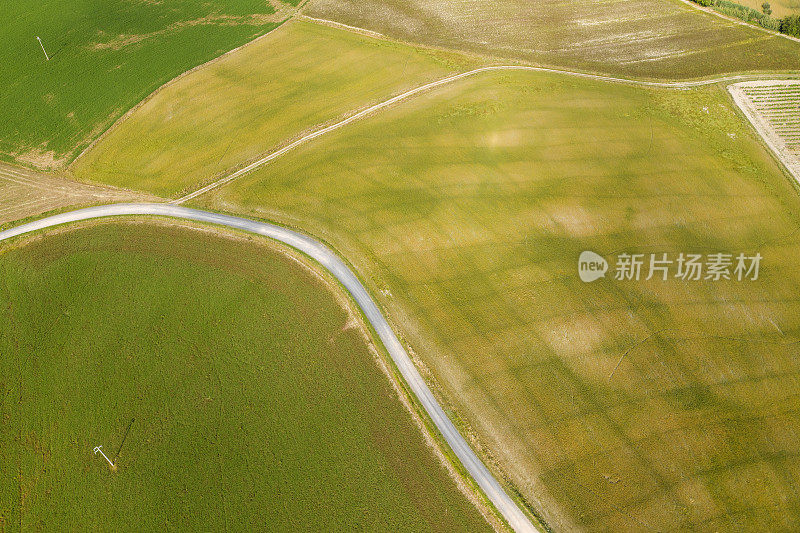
{"x": 791, "y": 25}
{"x": 766, "y": 8}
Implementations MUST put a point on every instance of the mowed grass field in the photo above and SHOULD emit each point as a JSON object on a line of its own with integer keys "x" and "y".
{"x": 248, "y": 103}
{"x": 618, "y": 405}
{"x": 257, "y": 402}
{"x": 641, "y": 38}
{"x": 104, "y": 59}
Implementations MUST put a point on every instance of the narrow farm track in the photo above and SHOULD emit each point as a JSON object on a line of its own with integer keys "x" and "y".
{"x": 444, "y": 81}
{"x": 515, "y": 517}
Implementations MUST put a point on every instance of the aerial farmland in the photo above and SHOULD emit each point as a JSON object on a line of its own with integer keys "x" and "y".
{"x": 393, "y": 265}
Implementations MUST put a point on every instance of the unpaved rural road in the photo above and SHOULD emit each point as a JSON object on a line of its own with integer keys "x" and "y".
{"x": 328, "y": 259}
{"x": 450, "y": 79}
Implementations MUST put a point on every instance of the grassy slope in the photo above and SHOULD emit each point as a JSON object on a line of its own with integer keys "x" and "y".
{"x": 253, "y": 405}
{"x": 466, "y": 209}
{"x": 642, "y": 38}
{"x": 51, "y": 110}
{"x": 252, "y": 101}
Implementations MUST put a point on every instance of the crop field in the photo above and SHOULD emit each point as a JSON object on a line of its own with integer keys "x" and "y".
{"x": 103, "y": 61}
{"x": 616, "y": 405}
{"x": 251, "y": 396}
{"x": 780, "y": 8}
{"x": 248, "y": 103}
{"x": 641, "y": 38}
{"x": 24, "y": 193}
{"x": 774, "y": 109}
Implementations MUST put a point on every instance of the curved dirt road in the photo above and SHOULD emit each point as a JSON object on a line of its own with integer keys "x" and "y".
{"x": 328, "y": 259}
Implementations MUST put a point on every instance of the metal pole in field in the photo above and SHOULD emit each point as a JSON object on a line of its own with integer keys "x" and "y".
{"x": 43, "y": 50}
{"x": 100, "y": 450}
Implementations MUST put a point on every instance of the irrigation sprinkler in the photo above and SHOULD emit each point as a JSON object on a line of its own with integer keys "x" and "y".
{"x": 43, "y": 50}
{"x": 99, "y": 449}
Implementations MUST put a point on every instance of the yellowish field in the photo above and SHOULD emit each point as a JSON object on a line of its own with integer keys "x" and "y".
{"x": 643, "y": 38}
{"x": 24, "y": 193}
{"x": 780, "y": 8}
{"x": 618, "y": 405}
{"x": 250, "y": 102}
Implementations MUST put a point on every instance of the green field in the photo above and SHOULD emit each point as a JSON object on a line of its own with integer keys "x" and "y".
{"x": 616, "y": 405}
{"x": 253, "y": 101}
{"x": 105, "y": 58}
{"x": 256, "y": 401}
{"x": 641, "y": 38}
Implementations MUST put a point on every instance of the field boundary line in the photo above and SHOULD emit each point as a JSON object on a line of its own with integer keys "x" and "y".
{"x": 447, "y": 80}
{"x": 342, "y": 26}
{"x": 331, "y": 262}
